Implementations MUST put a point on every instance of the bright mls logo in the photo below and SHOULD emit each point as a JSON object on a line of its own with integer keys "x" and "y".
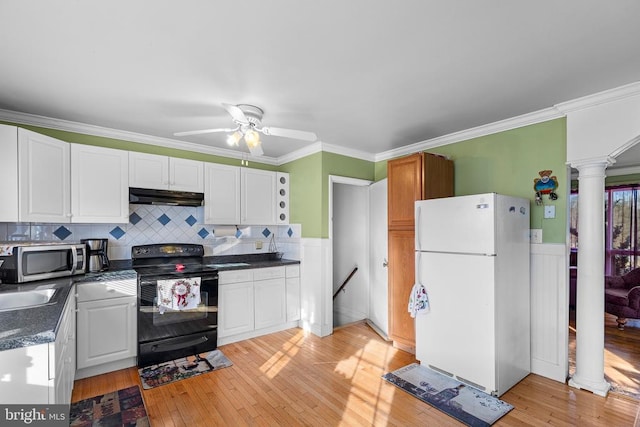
{"x": 37, "y": 415}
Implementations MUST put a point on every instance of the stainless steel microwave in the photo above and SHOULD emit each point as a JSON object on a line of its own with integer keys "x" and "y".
{"x": 30, "y": 261}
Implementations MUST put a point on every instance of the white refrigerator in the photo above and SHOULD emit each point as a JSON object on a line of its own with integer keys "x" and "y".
{"x": 472, "y": 257}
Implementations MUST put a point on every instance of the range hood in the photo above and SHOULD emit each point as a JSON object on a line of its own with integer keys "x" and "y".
{"x": 147, "y": 196}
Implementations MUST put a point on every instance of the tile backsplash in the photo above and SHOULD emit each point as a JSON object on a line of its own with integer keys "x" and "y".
{"x": 166, "y": 224}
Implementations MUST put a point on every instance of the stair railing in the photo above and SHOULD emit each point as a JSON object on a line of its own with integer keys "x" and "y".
{"x": 341, "y": 288}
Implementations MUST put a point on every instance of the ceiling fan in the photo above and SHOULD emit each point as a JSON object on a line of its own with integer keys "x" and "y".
{"x": 248, "y": 120}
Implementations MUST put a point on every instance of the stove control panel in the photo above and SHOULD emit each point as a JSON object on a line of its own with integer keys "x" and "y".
{"x": 167, "y": 251}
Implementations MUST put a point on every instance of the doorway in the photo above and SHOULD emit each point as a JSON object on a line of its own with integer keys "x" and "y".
{"x": 357, "y": 230}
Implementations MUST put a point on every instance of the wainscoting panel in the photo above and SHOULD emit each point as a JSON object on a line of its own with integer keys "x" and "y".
{"x": 315, "y": 286}
{"x": 549, "y": 311}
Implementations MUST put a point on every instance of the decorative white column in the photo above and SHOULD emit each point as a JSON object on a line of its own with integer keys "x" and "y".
{"x": 589, "y": 373}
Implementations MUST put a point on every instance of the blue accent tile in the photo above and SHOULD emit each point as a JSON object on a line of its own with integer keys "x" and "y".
{"x": 62, "y": 232}
{"x": 238, "y": 233}
{"x": 203, "y": 233}
{"x": 290, "y": 232}
{"x": 266, "y": 232}
{"x": 164, "y": 219}
{"x": 191, "y": 220}
{"x": 134, "y": 218}
{"x": 117, "y": 233}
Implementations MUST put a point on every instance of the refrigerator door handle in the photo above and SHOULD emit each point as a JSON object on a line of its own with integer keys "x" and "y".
{"x": 417, "y": 227}
{"x": 418, "y": 269}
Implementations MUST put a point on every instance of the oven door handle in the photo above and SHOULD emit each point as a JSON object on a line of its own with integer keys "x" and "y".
{"x": 178, "y": 345}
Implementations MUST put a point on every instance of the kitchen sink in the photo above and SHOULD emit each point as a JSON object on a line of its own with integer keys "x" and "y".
{"x": 25, "y": 299}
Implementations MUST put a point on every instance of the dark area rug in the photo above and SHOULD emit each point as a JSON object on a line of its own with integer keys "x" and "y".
{"x": 464, "y": 403}
{"x": 180, "y": 369}
{"x": 119, "y": 408}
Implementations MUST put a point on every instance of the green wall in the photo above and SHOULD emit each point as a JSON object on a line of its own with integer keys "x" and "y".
{"x": 309, "y": 188}
{"x": 508, "y": 162}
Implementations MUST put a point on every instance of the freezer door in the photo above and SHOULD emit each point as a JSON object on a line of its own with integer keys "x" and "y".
{"x": 463, "y": 224}
{"x": 458, "y": 334}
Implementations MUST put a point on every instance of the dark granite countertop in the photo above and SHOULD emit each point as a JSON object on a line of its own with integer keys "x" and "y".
{"x": 35, "y": 325}
{"x": 38, "y": 325}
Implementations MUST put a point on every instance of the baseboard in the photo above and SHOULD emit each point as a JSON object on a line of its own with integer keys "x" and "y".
{"x": 92, "y": 371}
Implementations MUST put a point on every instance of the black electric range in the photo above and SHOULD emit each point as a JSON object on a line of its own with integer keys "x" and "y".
{"x": 177, "y": 302}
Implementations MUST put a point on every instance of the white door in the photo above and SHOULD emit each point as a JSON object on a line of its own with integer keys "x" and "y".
{"x": 222, "y": 194}
{"x": 378, "y": 276}
{"x": 463, "y": 224}
{"x": 186, "y": 175}
{"x": 99, "y": 184}
{"x": 457, "y": 335}
{"x": 258, "y": 205}
{"x": 44, "y": 184}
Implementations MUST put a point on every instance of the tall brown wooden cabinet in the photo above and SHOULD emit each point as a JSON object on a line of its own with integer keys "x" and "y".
{"x": 419, "y": 176}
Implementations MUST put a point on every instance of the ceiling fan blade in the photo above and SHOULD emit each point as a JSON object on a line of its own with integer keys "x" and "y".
{"x": 290, "y": 133}
{"x": 236, "y": 113}
{"x": 198, "y": 132}
{"x": 256, "y": 150}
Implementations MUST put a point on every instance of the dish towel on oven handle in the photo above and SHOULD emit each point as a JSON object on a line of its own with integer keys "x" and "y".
{"x": 181, "y": 294}
{"x": 418, "y": 300}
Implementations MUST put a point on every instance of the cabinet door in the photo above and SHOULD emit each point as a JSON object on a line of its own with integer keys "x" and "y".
{"x": 401, "y": 280}
{"x": 148, "y": 171}
{"x": 99, "y": 184}
{"x": 235, "y": 309}
{"x": 404, "y": 188}
{"x": 186, "y": 175}
{"x": 44, "y": 178}
{"x": 293, "y": 298}
{"x": 64, "y": 355}
{"x": 258, "y": 204}
{"x": 107, "y": 331}
{"x": 270, "y": 302}
{"x": 9, "y": 168}
{"x": 222, "y": 194}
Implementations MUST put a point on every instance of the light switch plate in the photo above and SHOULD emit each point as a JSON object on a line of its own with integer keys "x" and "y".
{"x": 536, "y": 235}
{"x": 550, "y": 211}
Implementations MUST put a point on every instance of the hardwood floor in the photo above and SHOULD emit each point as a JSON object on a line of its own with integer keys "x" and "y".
{"x": 621, "y": 355}
{"x": 293, "y": 378}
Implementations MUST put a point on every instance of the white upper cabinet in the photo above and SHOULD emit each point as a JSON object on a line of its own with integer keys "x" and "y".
{"x": 258, "y": 196}
{"x": 165, "y": 173}
{"x": 222, "y": 194}
{"x": 9, "y": 168}
{"x": 44, "y": 177}
{"x": 99, "y": 184}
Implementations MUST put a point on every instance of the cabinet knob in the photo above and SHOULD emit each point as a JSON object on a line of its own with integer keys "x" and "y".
{"x": 385, "y": 263}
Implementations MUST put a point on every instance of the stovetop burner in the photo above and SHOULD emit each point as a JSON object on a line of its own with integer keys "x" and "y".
{"x": 169, "y": 258}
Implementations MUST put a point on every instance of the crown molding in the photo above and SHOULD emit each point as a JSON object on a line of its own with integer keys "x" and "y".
{"x": 476, "y": 132}
{"x": 323, "y": 146}
{"x": 615, "y": 94}
{"x": 86, "y": 129}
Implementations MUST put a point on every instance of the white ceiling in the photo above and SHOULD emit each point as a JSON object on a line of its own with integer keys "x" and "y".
{"x": 367, "y": 75}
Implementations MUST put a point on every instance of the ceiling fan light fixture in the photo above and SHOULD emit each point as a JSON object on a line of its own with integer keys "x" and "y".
{"x": 234, "y": 138}
{"x": 252, "y": 138}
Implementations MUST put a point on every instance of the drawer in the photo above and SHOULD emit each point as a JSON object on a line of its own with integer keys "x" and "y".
{"x": 104, "y": 290}
{"x": 235, "y": 276}
{"x": 268, "y": 273}
{"x": 293, "y": 271}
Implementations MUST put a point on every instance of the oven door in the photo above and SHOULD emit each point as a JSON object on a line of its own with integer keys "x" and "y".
{"x": 177, "y": 316}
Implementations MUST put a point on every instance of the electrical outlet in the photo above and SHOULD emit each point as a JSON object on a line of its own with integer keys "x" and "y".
{"x": 258, "y": 244}
{"x": 550, "y": 211}
{"x": 536, "y": 235}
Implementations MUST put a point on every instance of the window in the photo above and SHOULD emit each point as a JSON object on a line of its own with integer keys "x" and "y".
{"x": 622, "y": 252}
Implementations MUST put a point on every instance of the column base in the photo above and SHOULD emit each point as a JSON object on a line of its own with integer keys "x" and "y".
{"x": 601, "y": 388}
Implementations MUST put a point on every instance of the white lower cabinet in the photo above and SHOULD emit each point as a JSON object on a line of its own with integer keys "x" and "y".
{"x": 253, "y": 302}
{"x": 293, "y": 293}
{"x": 44, "y": 373}
{"x": 107, "y": 328}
